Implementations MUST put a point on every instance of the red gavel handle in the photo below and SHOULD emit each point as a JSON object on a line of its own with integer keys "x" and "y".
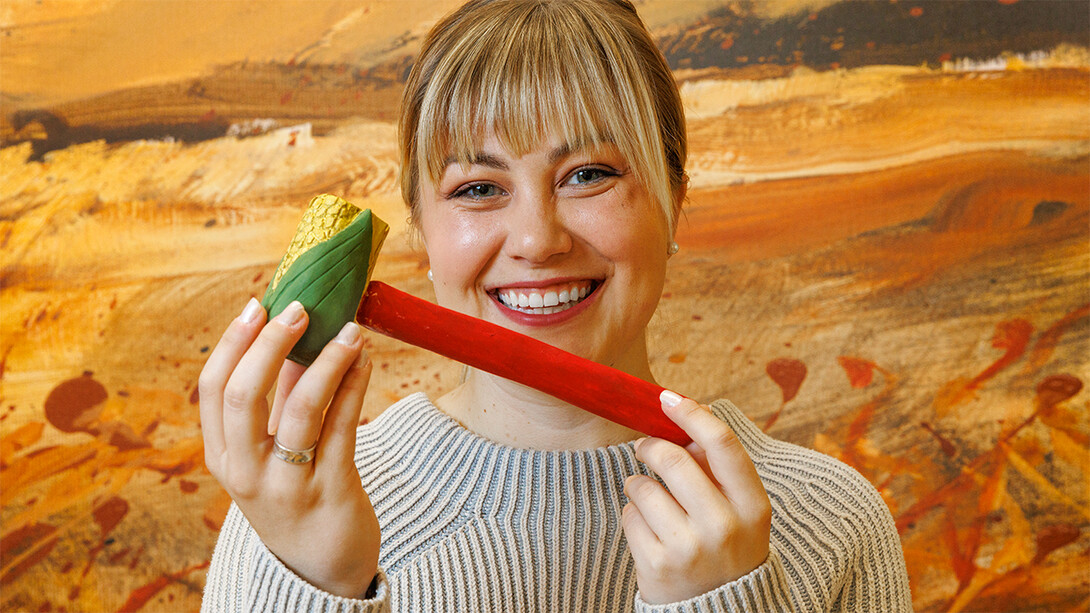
{"x": 604, "y": 391}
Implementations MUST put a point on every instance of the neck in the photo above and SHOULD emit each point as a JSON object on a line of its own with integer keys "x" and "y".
{"x": 512, "y": 414}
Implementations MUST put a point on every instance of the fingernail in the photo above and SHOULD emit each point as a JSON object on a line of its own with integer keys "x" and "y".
{"x": 250, "y": 313}
{"x": 349, "y": 334}
{"x": 292, "y": 314}
{"x": 636, "y": 444}
{"x": 670, "y": 399}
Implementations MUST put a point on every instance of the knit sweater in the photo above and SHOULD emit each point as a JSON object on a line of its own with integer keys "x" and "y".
{"x": 471, "y": 525}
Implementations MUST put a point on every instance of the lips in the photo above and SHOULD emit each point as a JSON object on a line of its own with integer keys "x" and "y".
{"x": 545, "y": 300}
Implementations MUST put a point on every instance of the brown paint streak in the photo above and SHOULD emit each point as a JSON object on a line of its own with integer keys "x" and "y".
{"x": 23, "y": 437}
{"x": 1012, "y": 336}
{"x": 948, "y": 448}
{"x": 107, "y": 516}
{"x": 859, "y": 426}
{"x": 961, "y": 564}
{"x": 25, "y": 539}
{"x": 41, "y": 464}
{"x": 110, "y": 513}
{"x": 1047, "y": 341}
{"x": 136, "y": 557}
{"x": 788, "y": 374}
{"x": 860, "y": 372}
{"x": 1054, "y": 389}
{"x": 117, "y": 556}
{"x": 965, "y": 544}
{"x": 143, "y": 594}
{"x": 174, "y": 470}
{"x": 964, "y": 481}
{"x": 932, "y": 500}
{"x": 121, "y": 436}
{"x": 74, "y": 405}
{"x": 1051, "y": 538}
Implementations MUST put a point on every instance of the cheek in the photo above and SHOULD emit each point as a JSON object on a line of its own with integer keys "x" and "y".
{"x": 457, "y": 248}
{"x": 627, "y": 231}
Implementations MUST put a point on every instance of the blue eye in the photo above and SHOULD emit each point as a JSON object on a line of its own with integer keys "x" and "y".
{"x": 588, "y": 175}
{"x": 478, "y": 191}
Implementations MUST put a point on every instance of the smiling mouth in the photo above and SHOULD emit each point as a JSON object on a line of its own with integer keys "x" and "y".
{"x": 545, "y": 300}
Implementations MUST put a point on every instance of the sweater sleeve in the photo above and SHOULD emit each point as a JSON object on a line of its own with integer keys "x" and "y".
{"x": 765, "y": 588}
{"x": 834, "y": 533}
{"x": 245, "y": 576}
{"x": 878, "y": 579}
{"x": 834, "y": 546}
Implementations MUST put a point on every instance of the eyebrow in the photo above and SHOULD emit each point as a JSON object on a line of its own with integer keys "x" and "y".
{"x": 492, "y": 161}
{"x": 560, "y": 152}
{"x": 482, "y": 159}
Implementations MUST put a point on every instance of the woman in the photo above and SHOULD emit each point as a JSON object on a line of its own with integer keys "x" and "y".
{"x": 543, "y": 151}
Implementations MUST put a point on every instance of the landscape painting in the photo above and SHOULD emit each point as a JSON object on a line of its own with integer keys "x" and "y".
{"x": 885, "y": 256}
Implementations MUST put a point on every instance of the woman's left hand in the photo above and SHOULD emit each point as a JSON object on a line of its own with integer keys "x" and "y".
{"x": 713, "y": 524}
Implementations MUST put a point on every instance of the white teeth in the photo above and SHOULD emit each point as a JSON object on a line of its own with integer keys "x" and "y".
{"x": 547, "y": 304}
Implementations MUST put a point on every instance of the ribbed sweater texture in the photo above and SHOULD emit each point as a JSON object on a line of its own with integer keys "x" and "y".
{"x": 470, "y": 525}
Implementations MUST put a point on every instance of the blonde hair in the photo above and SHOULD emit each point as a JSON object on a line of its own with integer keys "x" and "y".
{"x": 523, "y": 70}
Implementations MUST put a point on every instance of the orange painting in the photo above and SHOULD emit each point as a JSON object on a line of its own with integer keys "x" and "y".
{"x": 885, "y": 255}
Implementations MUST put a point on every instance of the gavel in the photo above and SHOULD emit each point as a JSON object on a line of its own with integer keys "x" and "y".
{"x": 328, "y": 268}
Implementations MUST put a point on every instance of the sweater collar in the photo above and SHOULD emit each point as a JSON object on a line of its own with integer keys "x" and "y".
{"x": 431, "y": 445}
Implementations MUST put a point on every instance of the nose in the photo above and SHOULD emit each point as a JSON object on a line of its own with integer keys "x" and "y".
{"x": 536, "y": 231}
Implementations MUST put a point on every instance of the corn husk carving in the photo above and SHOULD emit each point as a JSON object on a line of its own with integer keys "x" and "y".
{"x": 326, "y": 268}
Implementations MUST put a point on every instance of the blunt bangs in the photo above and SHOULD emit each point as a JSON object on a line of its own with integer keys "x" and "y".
{"x": 524, "y": 72}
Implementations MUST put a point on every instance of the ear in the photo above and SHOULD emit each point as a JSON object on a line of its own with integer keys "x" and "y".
{"x": 680, "y": 193}
{"x": 683, "y": 189}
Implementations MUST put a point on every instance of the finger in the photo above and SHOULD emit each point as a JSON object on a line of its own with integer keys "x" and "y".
{"x": 689, "y": 484}
{"x": 642, "y": 540}
{"x": 662, "y": 513}
{"x": 236, "y": 339}
{"x": 245, "y": 409}
{"x": 337, "y": 441}
{"x": 701, "y": 458}
{"x": 727, "y": 459}
{"x": 285, "y": 382}
{"x": 301, "y": 420}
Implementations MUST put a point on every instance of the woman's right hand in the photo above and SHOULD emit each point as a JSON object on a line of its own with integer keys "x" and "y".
{"x": 314, "y": 517}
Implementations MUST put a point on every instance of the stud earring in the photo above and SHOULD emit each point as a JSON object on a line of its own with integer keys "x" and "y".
{"x": 673, "y": 248}
{"x": 430, "y": 276}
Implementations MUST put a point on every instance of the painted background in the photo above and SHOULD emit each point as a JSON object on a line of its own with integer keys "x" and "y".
{"x": 885, "y": 257}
